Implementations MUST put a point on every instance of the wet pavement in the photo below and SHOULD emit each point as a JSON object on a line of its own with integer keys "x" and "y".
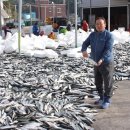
{"x": 117, "y": 116}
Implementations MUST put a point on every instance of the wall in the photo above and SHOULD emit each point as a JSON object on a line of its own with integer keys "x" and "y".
{"x": 103, "y": 3}
{"x": 50, "y": 10}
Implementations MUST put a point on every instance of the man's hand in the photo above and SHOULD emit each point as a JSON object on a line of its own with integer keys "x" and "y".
{"x": 85, "y": 54}
{"x": 99, "y": 62}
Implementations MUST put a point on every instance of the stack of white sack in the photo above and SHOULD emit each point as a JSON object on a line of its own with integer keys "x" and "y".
{"x": 50, "y": 43}
{"x": 1, "y": 45}
{"x": 28, "y": 44}
{"x": 82, "y": 36}
{"x": 69, "y": 38}
{"x": 121, "y": 36}
{"x": 66, "y": 39}
{"x": 36, "y": 46}
{"x": 47, "y": 29}
{"x": 11, "y": 44}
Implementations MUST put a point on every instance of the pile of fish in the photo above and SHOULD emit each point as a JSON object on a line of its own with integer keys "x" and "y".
{"x": 49, "y": 94}
{"x": 122, "y": 61}
{"x": 45, "y": 94}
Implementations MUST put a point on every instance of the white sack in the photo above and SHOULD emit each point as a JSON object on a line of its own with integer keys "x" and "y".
{"x": 51, "y": 44}
{"x": 11, "y": 44}
{"x": 1, "y": 49}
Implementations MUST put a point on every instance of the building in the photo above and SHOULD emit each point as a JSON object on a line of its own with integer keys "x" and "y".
{"x": 45, "y": 9}
{"x": 4, "y": 14}
{"x": 119, "y": 12}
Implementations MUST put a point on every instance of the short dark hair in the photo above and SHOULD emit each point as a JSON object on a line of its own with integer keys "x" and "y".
{"x": 102, "y": 18}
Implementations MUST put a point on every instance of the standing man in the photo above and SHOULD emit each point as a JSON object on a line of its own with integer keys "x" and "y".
{"x": 6, "y": 30}
{"x": 85, "y": 26}
{"x": 101, "y": 43}
{"x": 36, "y": 29}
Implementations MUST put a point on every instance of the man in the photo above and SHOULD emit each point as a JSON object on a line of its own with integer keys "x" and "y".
{"x": 6, "y": 30}
{"x": 85, "y": 26}
{"x": 36, "y": 29}
{"x": 101, "y": 42}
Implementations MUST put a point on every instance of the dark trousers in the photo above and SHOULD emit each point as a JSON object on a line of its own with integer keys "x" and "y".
{"x": 36, "y": 33}
{"x": 5, "y": 31}
{"x": 104, "y": 79}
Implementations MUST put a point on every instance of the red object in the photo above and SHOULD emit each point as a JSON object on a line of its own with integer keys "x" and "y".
{"x": 85, "y": 26}
{"x": 41, "y": 33}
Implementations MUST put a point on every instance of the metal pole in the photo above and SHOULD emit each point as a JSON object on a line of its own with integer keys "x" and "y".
{"x": 128, "y": 17}
{"x": 0, "y": 20}
{"x": 81, "y": 12}
{"x": 30, "y": 15}
{"x": 39, "y": 10}
{"x": 90, "y": 14}
{"x": 76, "y": 23}
{"x": 39, "y": 17}
{"x": 19, "y": 27}
{"x": 53, "y": 10}
{"x": 45, "y": 15}
{"x": 81, "y": 9}
{"x": 109, "y": 15}
{"x": 68, "y": 10}
{"x": 15, "y": 12}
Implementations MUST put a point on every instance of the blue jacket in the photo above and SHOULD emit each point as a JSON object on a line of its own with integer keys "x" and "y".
{"x": 35, "y": 29}
{"x": 101, "y": 44}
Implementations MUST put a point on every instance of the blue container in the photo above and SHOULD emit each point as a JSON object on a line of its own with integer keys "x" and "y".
{"x": 26, "y": 16}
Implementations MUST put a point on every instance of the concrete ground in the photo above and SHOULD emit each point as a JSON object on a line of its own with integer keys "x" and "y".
{"x": 117, "y": 116}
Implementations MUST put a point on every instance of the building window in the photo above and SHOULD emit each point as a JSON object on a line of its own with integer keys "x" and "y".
{"x": 58, "y": 10}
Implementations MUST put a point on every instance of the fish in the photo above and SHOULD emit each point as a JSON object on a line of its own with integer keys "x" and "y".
{"x": 8, "y": 127}
{"x": 51, "y": 92}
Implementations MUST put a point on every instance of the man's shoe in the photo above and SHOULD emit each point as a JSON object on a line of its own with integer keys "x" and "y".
{"x": 98, "y": 102}
{"x": 105, "y": 105}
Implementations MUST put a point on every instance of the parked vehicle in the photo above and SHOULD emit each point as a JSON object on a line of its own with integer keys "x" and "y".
{"x": 10, "y": 25}
{"x": 17, "y": 23}
{"x": 14, "y": 24}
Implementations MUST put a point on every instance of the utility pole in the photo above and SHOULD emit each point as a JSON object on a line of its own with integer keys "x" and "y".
{"x": 30, "y": 9}
{"x": 39, "y": 13}
{"x": 53, "y": 10}
{"x": 75, "y": 23}
{"x": 19, "y": 29}
{"x": 90, "y": 19}
{"x": 15, "y": 8}
{"x": 68, "y": 10}
{"x": 0, "y": 19}
{"x": 109, "y": 15}
{"x": 45, "y": 14}
{"x": 39, "y": 10}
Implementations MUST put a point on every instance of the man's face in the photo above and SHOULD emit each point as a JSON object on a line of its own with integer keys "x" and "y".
{"x": 100, "y": 25}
